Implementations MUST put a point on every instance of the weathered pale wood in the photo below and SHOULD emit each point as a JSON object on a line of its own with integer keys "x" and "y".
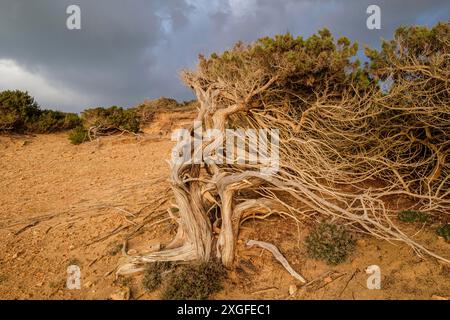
{"x": 277, "y": 254}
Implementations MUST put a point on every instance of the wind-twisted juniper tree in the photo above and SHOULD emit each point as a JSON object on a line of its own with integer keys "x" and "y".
{"x": 350, "y": 137}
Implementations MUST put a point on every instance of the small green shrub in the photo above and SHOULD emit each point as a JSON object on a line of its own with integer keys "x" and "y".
{"x": 330, "y": 243}
{"x": 52, "y": 121}
{"x": 17, "y": 108}
{"x": 110, "y": 120}
{"x": 20, "y": 113}
{"x": 154, "y": 273}
{"x": 412, "y": 216}
{"x": 78, "y": 135}
{"x": 444, "y": 232}
{"x": 115, "y": 248}
{"x": 194, "y": 282}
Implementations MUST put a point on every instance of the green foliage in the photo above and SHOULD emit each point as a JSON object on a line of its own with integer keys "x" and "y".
{"x": 52, "y": 121}
{"x": 110, "y": 120}
{"x": 330, "y": 243}
{"x": 415, "y": 63}
{"x": 104, "y": 121}
{"x": 78, "y": 135}
{"x": 194, "y": 282}
{"x": 302, "y": 66}
{"x": 444, "y": 231}
{"x": 154, "y": 274}
{"x": 416, "y": 42}
{"x": 412, "y": 216}
{"x": 20, "y": 113}
{"x": 17, "y": 109}
{"x": 114, "y": 248}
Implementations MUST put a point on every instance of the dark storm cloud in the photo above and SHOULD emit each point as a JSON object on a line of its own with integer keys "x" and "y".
{"x": 110, "y": 58}
{"x": 131, "y": 50}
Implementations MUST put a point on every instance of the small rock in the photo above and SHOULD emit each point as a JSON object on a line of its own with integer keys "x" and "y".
{"x": 121, "y": 294}
{"x": 17, "y": 254}
{"x": 71, "y": 247}
{"x": 132, "y": 252}
{"x": 87, "y": 284}
{"x": 292, "y": 290}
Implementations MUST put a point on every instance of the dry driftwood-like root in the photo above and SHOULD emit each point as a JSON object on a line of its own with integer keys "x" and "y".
{"x": 345, "y": 145}
{"x": 277, "y": 254}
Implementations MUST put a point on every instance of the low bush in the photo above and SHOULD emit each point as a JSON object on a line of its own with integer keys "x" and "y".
{"x": 50, "y": 121}
{"x": 412, "y": 216}
{"x": 194, "y": 282}
{"x": 330, "y": 243}
{"x": 154, "y": 274}
{"x": 78, "y": 135}
{"x": 101, "y": 121}
{"x": 17, "y": 109}
{"x": 115, "y": 248}
{"x": 444, "y": 232}
{"x": 20, "y": 113}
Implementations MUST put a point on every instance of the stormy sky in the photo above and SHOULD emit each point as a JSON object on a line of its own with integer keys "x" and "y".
{"x": 127, "y": 51}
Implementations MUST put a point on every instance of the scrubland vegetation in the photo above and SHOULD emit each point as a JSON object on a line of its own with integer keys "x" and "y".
{"x": 351, "y": 137}
{"x": 184, "y": 282}
{"x": 20, "y": 113}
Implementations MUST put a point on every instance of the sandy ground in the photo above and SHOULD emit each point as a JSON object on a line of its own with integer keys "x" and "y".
{"x": 62, "y": 205}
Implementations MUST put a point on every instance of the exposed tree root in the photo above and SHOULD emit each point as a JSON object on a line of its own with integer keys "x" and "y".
{"x": 343, "y": 147}
{"x": 277, "y": 254}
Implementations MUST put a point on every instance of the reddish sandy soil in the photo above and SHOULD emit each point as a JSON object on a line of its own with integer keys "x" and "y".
{"x": 62, "y": 204}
